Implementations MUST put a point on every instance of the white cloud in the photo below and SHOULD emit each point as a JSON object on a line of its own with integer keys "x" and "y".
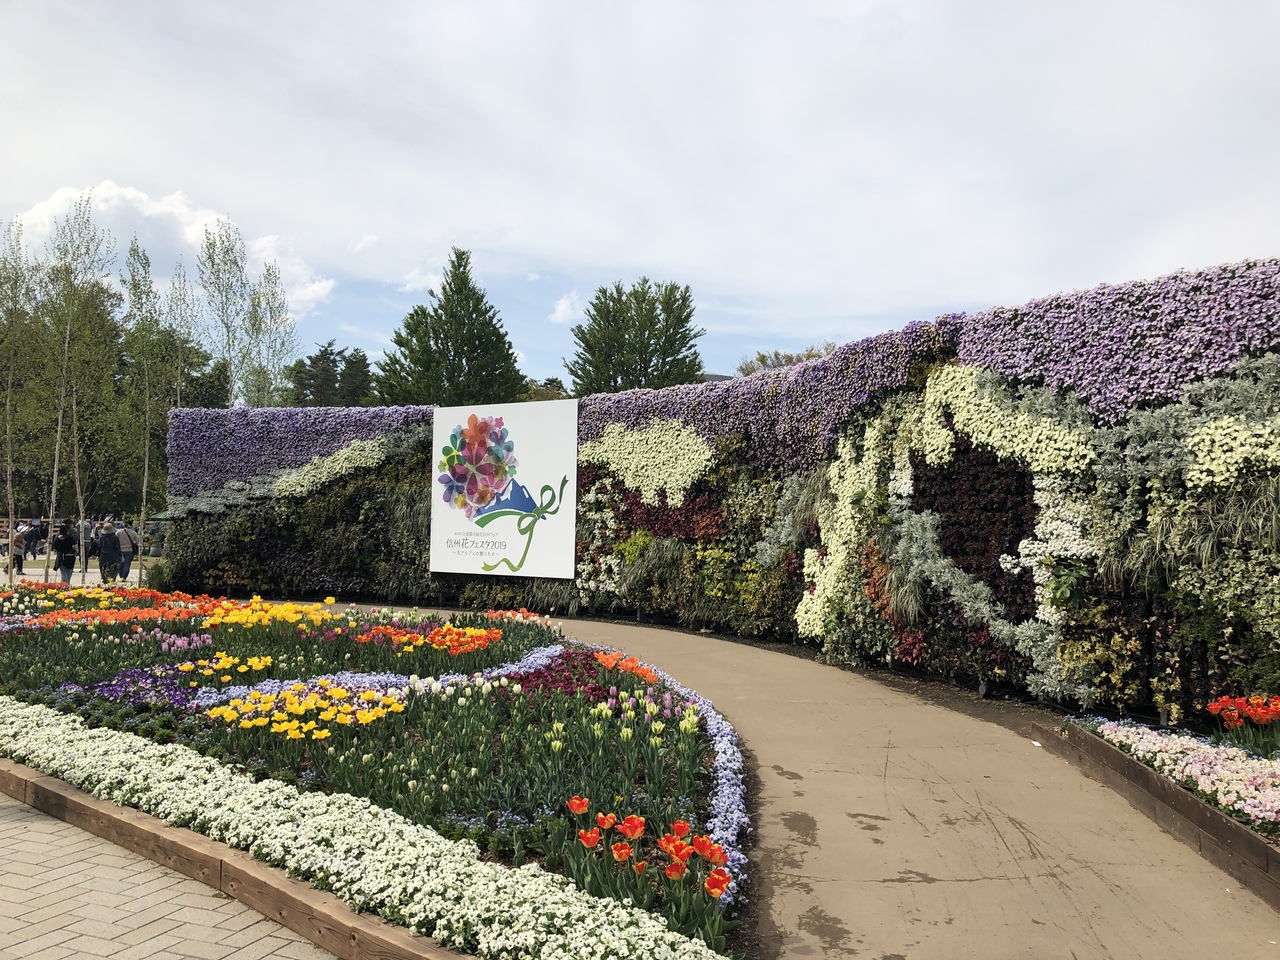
{"x": 303, "y": 286}
{"x": 417, "y": 279}
{"x": 367, "y": 242}
{"x": 172, "y": 227}
{"x": 533, "y": 275}
{"x": 521, "y": 357}
{"x": 567, "y": 308}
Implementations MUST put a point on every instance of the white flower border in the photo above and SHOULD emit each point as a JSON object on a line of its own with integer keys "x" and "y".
{"x": 373, "y": 859}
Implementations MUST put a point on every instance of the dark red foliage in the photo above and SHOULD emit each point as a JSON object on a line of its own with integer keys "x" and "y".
{"x": 984, "y": 508}
{"x": 573, "y": 672}
{"x": 698, "y": 518}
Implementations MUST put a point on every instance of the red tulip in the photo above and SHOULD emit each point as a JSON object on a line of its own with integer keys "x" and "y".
{"x": 675, "y": 870}
{"x": 578, "y": 805}
{"x": 589, "y": 838}
{"x": 680, "y": 828}
{"x": 605, "y": 821}
{"x": 639, "y": 866}
{"x": 621, "y": 851}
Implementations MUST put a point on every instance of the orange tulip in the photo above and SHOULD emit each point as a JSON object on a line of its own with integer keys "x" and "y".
{"x": 589, "y": 838}
{"x": 680, "y": 851}
{"x": 621, "y": 851}
{"x": 717, "y": 882}
{"x": 680, "y": 828}
{"x": 578, "y": 805}
{"x": 632, "y": 827}
{"x": 605, "y": 821}
{"x": 675, "y": 870}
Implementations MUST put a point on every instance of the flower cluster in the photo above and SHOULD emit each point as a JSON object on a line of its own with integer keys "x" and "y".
{"x": 302, "y": 709}
{"x": 477, "y": 464}
{"x": 1228, "y": 777}
{"x": 1233, "y": 711}
{"x": 445, "y": 638}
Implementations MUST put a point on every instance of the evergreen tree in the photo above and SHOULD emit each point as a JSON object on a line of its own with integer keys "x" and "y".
{"x": 454, "y": 352}
{"x": 355, "y": 380}
{"x": 642, "y": 337}
{"x": 313, "y": 381}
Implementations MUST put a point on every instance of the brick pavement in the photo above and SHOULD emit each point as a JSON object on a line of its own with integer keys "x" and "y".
{"x": 66, "y": 894}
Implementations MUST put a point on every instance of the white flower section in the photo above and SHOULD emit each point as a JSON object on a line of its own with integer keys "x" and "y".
{"x": 372, "y": 858}
{"x": 664, "y": 457}
{"x": 1227, "y": 447}
{"x": 989, "y": 418}
{"x": 1059, "y": 535}
{"x": 843, "y": 519}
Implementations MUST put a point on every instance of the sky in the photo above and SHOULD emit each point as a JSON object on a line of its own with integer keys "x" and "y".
{"x": 812, "y": 170}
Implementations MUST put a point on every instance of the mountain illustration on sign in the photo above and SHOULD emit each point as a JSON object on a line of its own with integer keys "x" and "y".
{"x": 514, "y": 497}
{"x": 477, "y": 470}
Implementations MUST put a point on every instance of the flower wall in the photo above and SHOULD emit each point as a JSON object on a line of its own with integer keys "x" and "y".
{"x": 1078, "y": 498}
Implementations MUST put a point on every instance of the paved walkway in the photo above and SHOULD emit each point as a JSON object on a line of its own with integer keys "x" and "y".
{"x": 66, "y": 894}
{"x": 890, "y": 828}
{"x": 894, "y": 829}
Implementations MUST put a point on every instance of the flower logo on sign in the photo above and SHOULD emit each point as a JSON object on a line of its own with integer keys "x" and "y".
{"x": 477, "y": 470}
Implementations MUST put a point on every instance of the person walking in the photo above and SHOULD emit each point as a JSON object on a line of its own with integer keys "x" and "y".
{"x": 130, "y": 543}
{"x": 108, "y": 553}
{"x": 64, "y": 545}
{"x": 19, "y": 548}
{"x": 34, "y": 535}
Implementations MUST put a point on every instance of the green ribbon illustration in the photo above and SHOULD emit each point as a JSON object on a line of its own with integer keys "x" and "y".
{"x": 548, "y": 505}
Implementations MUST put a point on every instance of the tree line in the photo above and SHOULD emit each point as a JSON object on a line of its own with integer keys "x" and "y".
{"x": 92, "y": 361}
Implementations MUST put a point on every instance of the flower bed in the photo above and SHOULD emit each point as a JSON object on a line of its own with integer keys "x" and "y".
{"x": 1242, "y": 784}
{"x": 313, "y": 708}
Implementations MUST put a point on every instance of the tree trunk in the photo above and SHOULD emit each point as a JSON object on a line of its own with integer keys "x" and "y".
{"x": 146, "y": 467}
{"x": 75, "y": 467}
{"x": 8, "y": 465}
{"x": 57, "y": 446}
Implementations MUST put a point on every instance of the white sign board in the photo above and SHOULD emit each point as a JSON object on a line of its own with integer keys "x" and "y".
{"x": 506, "y": 489}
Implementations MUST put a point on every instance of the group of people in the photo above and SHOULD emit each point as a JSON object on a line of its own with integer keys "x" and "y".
{"x": 114, "y": 544}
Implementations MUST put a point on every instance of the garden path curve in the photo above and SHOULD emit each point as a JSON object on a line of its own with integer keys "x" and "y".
{"x": 891, "y": 828}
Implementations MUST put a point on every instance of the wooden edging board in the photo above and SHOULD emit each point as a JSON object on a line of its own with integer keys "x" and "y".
{"x": 315, "y": 914}
{"x": 1224, "y": 842}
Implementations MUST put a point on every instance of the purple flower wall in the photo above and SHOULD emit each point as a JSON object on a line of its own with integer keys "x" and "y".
{"x": 208, "y": 448}
{"x": 1134, "y": 343}
{"x": 791, "y": 417}
{"x": 1116, "y": 346}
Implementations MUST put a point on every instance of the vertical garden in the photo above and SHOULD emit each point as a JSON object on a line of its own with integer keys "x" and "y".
{"x": 1078, "y": 498}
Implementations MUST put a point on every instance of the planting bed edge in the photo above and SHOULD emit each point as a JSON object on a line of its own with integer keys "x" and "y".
{"x": 1224, "y": 842}
{"x": 315, "y": 914}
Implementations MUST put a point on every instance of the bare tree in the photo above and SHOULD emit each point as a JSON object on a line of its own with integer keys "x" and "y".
{"x": 269, "y": 338}
{"x": 182, "y": 315}
{"x": 224, "y": 281}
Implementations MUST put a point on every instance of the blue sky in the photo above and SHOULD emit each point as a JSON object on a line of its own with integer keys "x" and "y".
{"x": 811, "y": 170}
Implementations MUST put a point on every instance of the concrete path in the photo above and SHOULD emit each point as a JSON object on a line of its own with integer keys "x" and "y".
{"x": 894, "y": 829}
{"x": 66, "y": 894}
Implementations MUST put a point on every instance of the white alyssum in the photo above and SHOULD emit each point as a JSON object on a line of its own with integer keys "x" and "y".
{"x": 372, "y": 858}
